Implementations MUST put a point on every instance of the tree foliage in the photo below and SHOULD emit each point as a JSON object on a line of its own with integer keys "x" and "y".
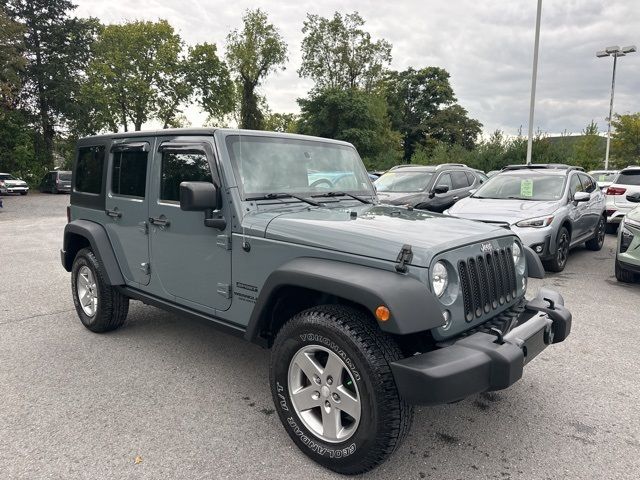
{"x": 56, "y": 52}
{"x": 625, "y": 139}
{"x": 354, "y": 116}
{"x": 252, "y": 53}
{"x": 338, "y": 53}
{"x": 12, "y": 60}
{"x": 423, "y": 109}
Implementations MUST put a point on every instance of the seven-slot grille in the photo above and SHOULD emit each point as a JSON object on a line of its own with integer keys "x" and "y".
{"x": 487, "y": 282}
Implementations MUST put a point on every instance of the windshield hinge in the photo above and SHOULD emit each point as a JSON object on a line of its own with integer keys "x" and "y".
{"x": 404, "y": 257}
{"x": 223, "y": 241}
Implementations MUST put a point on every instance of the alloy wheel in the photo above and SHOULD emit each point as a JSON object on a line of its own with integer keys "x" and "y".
{"x": 87, "y": 291}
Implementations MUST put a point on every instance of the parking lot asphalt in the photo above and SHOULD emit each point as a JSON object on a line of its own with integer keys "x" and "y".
{"x": 166, "y": 398}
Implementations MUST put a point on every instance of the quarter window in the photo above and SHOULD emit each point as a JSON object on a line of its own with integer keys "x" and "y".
{"x": 178, "y": 167}
{"x": 89, "y": 169}
{"x": 129, "y": 173}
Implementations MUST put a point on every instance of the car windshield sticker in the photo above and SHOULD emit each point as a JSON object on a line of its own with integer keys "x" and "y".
{"x": 602, "y": 178}
{"x": 526, "y": 188}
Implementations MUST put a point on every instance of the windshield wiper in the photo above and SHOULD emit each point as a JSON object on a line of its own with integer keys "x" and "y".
{"x": 268, "y": 196}
{"x": 519, "y": 198}
{"x": 343, "y": 194}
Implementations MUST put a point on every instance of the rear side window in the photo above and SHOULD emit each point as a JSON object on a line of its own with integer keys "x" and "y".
{"x": 629, "y": 178}
{"x": 129, "y": 173}
{"x": 445, "y": 179}
{"x": 178, "y": 167}
{"x": 89, "y": 169}
{"x": 459, "y": 180}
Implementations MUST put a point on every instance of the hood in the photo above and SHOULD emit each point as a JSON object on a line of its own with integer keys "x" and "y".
{"x": 502, "y": 210}
{"x": 15, "y": 183}
{"x": 399, "y": 198}
{"x": 377, "y": 231}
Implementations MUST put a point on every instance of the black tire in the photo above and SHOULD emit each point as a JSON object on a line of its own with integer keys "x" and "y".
{"x": 623, "y": 275}
{"x": 54, "y": 190}
{"x": 611, "y": 228}
{"x": 385, "y": 419}
{"x": 23, "y": 193}
{"x": 597, "y": 241}
{"x": 561, "y": 254}
{"x": 112, "y": 308}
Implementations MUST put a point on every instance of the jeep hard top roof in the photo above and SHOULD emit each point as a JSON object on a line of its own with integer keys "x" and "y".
{"x": 173, "y": 132}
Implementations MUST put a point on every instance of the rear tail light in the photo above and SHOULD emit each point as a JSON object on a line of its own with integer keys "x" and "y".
{"x": 68, "y": 214}
{"x": 616, "y": 191}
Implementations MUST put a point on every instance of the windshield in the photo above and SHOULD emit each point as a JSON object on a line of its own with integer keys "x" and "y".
{"x": 6, "y": 176}
{"x": 266, "y": 165}
{"x": 603, "y": 176}
{"x": 523, "y": 186}
{"x": 64, "y": 176}
{"x": 403, "y": 181}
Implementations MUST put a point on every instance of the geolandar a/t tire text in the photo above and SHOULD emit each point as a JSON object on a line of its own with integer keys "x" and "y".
{"x": 333, "y": 388}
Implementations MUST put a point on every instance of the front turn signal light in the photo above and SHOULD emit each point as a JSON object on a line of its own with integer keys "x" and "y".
{"x": 382, "y": 313}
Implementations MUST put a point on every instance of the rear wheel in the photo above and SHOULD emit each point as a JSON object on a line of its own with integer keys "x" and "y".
{"x": 559, "y": 260}
{"x": 624, "y": 275}
{"x": 23, "y": 193}
{"x": 100, "y": 306}
{"x": 334, "y": 391}
{"x": 597, "y": 241}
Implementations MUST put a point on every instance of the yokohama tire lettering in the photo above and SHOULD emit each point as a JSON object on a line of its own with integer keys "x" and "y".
{"x": 319, "y": 449}
{"x": 327, "y": 342}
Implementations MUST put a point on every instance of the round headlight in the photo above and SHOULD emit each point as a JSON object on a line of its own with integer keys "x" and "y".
{"x": 516, "y": 251}
{"x": 439, "y": 278}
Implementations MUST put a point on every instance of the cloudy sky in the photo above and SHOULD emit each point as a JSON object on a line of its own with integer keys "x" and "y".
{"x": 486, "y": 45}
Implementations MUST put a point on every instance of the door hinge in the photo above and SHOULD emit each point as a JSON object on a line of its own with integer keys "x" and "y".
{"x": 146, "y": 268}
{"x": 144, "y": 227}
{"x": 224, "y": 241}
{"x": 224, "y": 289}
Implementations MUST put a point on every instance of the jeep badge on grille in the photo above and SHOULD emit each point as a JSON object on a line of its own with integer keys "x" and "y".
{"x": 486, "y": 248}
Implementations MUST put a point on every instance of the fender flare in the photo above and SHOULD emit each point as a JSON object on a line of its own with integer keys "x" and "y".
{"x": 413, "y": 307}
{"x": 534, "y": 264}
{"x": 100, "y": 245}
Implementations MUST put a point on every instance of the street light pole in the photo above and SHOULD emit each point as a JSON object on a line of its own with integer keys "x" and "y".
{"x": 534, "y": 76}
{"x": 614, "y": 52}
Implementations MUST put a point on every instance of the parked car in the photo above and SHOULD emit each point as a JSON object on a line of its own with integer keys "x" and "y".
{"x": 56, "y": 181}
{"x": 11, "y": 184}
{"x": 551, "y": 209}
{"x": 628, "y": 249}
{"x": 368, "y": 309}
{"x": 428, "y": 187}
{"x": 626, "y": 182}
{"x": 604, "y": 177}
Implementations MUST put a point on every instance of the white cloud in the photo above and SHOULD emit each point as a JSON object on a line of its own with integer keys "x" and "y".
{"x": 487, "y": 47}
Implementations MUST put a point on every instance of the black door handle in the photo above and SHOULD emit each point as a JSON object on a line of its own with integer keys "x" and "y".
{"x": 159, "y": 222}
{"x": 113, "y": 213}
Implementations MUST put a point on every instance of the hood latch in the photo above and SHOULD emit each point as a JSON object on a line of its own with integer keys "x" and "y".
{"x": 404, "y": 257}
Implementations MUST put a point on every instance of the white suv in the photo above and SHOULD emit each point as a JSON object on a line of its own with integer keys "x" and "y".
{"x": 626, "y": 183}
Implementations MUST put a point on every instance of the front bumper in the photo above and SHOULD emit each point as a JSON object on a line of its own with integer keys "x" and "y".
{"x": 483, "y": 361}
{"x": 14, "y": 189}
{"x": 540, "y": 240}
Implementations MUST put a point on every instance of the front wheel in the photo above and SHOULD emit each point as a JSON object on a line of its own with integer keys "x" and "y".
{"x": 559, "y": 260}
{"x": 333, "y": 388}
{"x": 100, "y": 306}
{"x": 23, "y": 193}
{"x": 623, "y": 275}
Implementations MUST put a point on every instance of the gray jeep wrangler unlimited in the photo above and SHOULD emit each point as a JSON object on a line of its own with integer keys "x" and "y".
{"x": 367, "y": 309}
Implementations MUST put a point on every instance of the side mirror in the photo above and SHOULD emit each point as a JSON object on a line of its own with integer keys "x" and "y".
{"x": 634, "y": 197}
{"x": 202, "y": 197}
{"x": 441, "y": 189}
{"x": 198, "y": 196}
{"x": 581, "y": 197}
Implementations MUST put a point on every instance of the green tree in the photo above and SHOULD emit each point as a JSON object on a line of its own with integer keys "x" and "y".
{"x": 56, "y": 52}
{"x": 625, "y": 139}
{"x": 587, "y": 150}
{"x": 354, "y": 116}
{"x": 281, "y": 122}
{"x": 210, "y": 80}
{"x": 338, "y": 53}
{"x": 136, "y": 74}
{"x": 423, "y": 108}
{"x": 12, "y": 60}
{"x": 252, "y": 53}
